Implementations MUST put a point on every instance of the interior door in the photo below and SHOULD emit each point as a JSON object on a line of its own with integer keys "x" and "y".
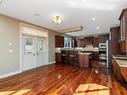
{"x": 41, "y": 51}
{"x": 29, "y": 53}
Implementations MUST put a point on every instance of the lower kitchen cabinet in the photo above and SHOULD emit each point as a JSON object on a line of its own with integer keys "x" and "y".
{"x": 84, "y": 60}
{"x": 117, "y": 70}
{"x": 124, "y": 73}
{"x": 95, "y": 56}
{"x": 58, "y": 57}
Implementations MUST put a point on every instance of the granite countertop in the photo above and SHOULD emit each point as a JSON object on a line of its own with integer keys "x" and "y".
{"x": 122, "y": 63}
{"x": 95, "y": 49}
{"x": 121, "y": 60}
{"x": 124, "y": 57}
{"x": 86, "y": 53}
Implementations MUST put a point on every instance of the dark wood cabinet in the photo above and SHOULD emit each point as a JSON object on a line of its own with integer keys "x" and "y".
{"x": 123, "y": 30}
{"x": 59, "y": 41}
{"x": 117, "y": 70}
{"x": 58, "y": 57}
{"x": 96, "y": 42}
{"x": 82, "y": 42}
{"x": 95, "y": 56}
{"x": 124, "y": 73}
{"x": 115, "y": 31}
{"x": 122, "y": 46}
{"x": 114, "y": 67}
{"x": 84, "y": 60}
{"x": 75, "y": 42}
{"x": 103, "y": 38}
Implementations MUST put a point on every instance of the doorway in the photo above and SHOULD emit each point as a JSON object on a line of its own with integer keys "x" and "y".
{"x": 34, "y": 52}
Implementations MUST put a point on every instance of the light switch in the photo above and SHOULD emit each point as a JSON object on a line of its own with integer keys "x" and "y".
{"x": 10, "y": 44}
{"x": 10, "y": 51}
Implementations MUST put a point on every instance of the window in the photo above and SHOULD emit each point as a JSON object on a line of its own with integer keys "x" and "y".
{"x": 40, "y": 45}
{"x": 29, "y": 45}
{"x": 67, "y": 42}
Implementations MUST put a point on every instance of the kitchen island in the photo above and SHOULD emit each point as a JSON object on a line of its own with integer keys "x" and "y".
{"x": 76, "y": 57}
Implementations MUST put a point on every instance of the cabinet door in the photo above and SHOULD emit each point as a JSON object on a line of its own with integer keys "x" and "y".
{"x": 115, "y": 40}
{"x": 114, "y": 66}
{"x": 58, "y": 57}
{"x": 96, "y": 42}
{"x": 59, "y": 41}
{"x": 84, "y": 60}
{"x": 122, "y": 46}
{"x": 75, "y": 43}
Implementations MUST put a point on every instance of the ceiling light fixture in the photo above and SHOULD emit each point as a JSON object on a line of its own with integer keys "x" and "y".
{"x": 1, "y": 1}
{"x": 57, "y": 20}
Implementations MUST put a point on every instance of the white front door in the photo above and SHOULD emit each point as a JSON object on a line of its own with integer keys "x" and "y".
{"x": 34, "y": 52}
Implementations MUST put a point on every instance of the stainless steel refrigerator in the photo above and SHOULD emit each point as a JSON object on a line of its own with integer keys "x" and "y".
{"x": 108, "y": 54}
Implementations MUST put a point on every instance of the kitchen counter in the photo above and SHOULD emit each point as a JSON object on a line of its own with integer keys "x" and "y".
{"x": 80, "y": 49}
{"x": 120, "y": 67}
{"x": 120, "y": 57}
{"x": 121, "y": 60}
{"x": 121, "y": 63}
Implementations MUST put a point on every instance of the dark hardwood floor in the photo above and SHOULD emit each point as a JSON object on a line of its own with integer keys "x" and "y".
{"x": 58, "y": 79}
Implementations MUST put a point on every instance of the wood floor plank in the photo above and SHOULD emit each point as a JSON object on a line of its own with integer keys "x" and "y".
{"x": 61, "y": 79}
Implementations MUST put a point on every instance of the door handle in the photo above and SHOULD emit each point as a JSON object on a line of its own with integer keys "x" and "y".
{"x": 33, "y": 53}
{"x": 37, "y": 53}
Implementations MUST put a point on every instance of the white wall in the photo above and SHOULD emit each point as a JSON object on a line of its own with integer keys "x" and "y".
{"x": 9, "y": 33}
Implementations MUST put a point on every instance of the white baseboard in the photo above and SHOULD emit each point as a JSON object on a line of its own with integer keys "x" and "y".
{"x": 9, "y": 74}
{"x": 17, "y": 72}
{"x": 52, "y": 62}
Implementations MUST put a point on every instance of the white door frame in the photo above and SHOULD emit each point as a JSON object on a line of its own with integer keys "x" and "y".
{"x": 21, "y": 40}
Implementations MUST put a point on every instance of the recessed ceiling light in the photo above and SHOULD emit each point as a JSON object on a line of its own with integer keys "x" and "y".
{"x": 93, "y": 19}
{"x": 84, "y": 0}
{"x": 97, "y": 27}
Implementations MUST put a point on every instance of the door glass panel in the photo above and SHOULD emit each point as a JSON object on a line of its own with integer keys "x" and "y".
{"x": 40, "y": 45}
{"x": 29, "y": 45}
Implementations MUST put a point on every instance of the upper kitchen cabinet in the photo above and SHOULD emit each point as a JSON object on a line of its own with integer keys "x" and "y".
{"x": 115, "y": 31}
{"x": 82, "y": 42}
{"x": 96, "y": 42}
{"x": 59, "y": 41}
{"x": 103, "y": 38}
{"x": 75, "y": 42}
{"x": 123, "y": 30}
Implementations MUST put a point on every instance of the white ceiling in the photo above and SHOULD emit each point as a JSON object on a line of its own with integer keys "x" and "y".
{"x": 74, "y": 12}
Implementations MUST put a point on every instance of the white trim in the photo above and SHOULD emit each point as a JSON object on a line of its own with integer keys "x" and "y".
{"x": 10, "y": 74}
{"x": 21, "y": 38}
{"x": 20, "y": 71}
{"x": 52, "y": 62}
{"x": 20, "y": 48}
